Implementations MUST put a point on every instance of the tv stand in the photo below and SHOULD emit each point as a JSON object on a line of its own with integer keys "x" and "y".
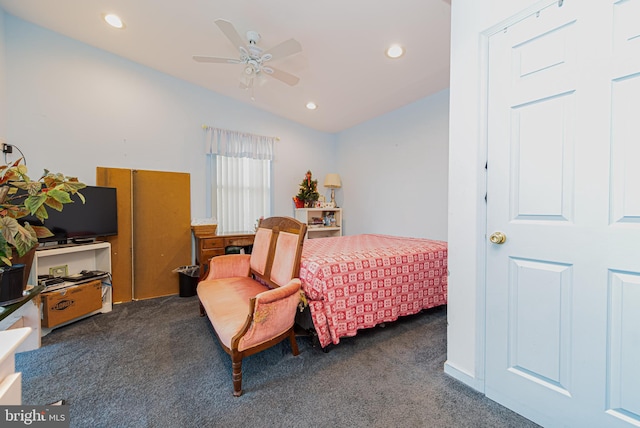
{"x": 94, "y": 256}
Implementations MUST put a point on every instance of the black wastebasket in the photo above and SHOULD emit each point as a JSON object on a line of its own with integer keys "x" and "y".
{"x": 233, "y": 250}
{"x": 188, "y": 278}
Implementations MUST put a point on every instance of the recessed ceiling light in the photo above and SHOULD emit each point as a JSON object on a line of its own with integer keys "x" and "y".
{"x": 395, "y": 51}
{"x": 311, "y": 105}
{"x": 114, "y": 20}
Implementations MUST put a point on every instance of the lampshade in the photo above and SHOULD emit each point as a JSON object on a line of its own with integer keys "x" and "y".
{"x": 332, "y": 181}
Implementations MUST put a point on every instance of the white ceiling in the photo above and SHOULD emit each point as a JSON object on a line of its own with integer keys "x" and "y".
{"x": 342, "y": 65}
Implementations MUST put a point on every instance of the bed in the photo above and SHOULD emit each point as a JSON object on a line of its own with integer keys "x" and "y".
{"x": 360, "y": 281}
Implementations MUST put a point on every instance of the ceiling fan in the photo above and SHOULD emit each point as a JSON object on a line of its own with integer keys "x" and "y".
{"x": 253, "y": 58}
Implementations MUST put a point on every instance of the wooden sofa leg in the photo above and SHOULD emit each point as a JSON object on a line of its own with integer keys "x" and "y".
{"x": 294, "y": 344}
{"x": 236, "y": 366}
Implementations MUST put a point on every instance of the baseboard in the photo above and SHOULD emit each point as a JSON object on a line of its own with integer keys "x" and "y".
{"x": 463, "y": 377}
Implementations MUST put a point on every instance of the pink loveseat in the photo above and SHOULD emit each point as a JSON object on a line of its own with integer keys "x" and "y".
{"x": 251, "y": 300}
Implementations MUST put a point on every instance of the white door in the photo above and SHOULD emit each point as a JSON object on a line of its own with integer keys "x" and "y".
{"x": 563, "y": 186}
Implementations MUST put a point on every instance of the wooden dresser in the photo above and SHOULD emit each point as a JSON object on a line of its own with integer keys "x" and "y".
{"x": 208, "y": 246}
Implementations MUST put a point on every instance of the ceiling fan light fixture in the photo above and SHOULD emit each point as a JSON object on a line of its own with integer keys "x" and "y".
{"x": 311, "y": 105}
{"x": 114, "y": 20}
{"x": 395, "y": 51}
{"x": 252, "y": 57}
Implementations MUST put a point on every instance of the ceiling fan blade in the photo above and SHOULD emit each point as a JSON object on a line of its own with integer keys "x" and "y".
{"x": 232, "y": 34}
{"x": 286, "y": 48}
{"x": 214, "y": 59}
{"x": 283, "y": 76}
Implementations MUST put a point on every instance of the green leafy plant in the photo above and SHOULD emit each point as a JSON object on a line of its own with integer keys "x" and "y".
{"x": 49, "y": 191}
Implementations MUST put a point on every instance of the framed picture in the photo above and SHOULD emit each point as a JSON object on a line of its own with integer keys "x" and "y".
{"x": 58, "y": 271}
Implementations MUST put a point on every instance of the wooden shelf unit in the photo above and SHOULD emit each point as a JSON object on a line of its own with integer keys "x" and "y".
{"x": 94, "y": 256}
{"x": 306, "y": 215}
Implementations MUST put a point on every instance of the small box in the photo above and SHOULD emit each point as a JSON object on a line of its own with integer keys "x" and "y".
{"x": 68, "y": 303}
{"x": 204, "y": 229}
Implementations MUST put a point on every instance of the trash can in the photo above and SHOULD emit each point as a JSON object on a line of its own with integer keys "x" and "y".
{"x": 188, "y": 278}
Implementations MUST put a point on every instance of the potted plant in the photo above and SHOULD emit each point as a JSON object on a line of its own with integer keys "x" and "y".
{"x": 21, "y": 196}
{"x": 308, "y": 191}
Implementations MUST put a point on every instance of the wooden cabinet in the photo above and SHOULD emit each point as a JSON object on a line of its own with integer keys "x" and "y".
{"x": 321, "y": 222}
{"x": 208, "y": 246}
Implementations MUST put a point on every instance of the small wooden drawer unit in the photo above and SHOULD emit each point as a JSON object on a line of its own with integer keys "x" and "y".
{"x": 208, "y": 246}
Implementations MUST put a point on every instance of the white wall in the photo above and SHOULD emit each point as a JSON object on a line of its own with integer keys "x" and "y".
{"x": 394, "y": 171}
{"x": 74, "y": 107}
{"x": 3, "y": 82}
{"x": 465, "y": 345}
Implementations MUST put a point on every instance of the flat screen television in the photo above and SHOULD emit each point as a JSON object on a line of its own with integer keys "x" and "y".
{"x": 78, "y": 222}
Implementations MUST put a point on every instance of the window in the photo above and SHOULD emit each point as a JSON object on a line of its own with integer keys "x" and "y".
{"x": 243, "y": 192}
{"x": 241, "y": 178}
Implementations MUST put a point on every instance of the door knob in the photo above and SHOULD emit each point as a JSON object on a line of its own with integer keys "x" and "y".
{"x": 498, "y": 238}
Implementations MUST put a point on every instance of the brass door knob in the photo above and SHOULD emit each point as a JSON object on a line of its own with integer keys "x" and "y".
{"x": 498, "y": 238}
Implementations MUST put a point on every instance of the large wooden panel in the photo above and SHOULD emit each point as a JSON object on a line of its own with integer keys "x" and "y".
{"x": 122, "y": 244}
{"x": 162, "y": 231}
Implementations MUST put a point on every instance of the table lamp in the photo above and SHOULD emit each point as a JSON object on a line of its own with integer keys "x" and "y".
{"x": 332, "y": 181}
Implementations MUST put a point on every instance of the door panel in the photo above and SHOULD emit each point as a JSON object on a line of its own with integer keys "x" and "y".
{"x": 538, "y": 344}
{"x": 625, "y": 131}
{"x": 542, "y": 159}
{"x": 623, "y": 388}
{"x": 622, "y": 260}
{"x": 563, "y": 184}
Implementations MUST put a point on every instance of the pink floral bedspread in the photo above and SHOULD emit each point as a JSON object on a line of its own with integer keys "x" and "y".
{"x": 357, "y": 282}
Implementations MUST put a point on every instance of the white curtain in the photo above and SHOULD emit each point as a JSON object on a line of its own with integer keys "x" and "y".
{"x": 241, "y": 177}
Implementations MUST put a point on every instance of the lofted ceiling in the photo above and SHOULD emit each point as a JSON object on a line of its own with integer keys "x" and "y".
{"x": 342, "y": 66}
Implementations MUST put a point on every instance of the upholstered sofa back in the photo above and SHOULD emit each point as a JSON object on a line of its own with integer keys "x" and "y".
{"x": 275, "y": 258}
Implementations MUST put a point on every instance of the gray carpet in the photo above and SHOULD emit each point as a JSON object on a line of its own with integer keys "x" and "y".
{"x": 156, "y": 363}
